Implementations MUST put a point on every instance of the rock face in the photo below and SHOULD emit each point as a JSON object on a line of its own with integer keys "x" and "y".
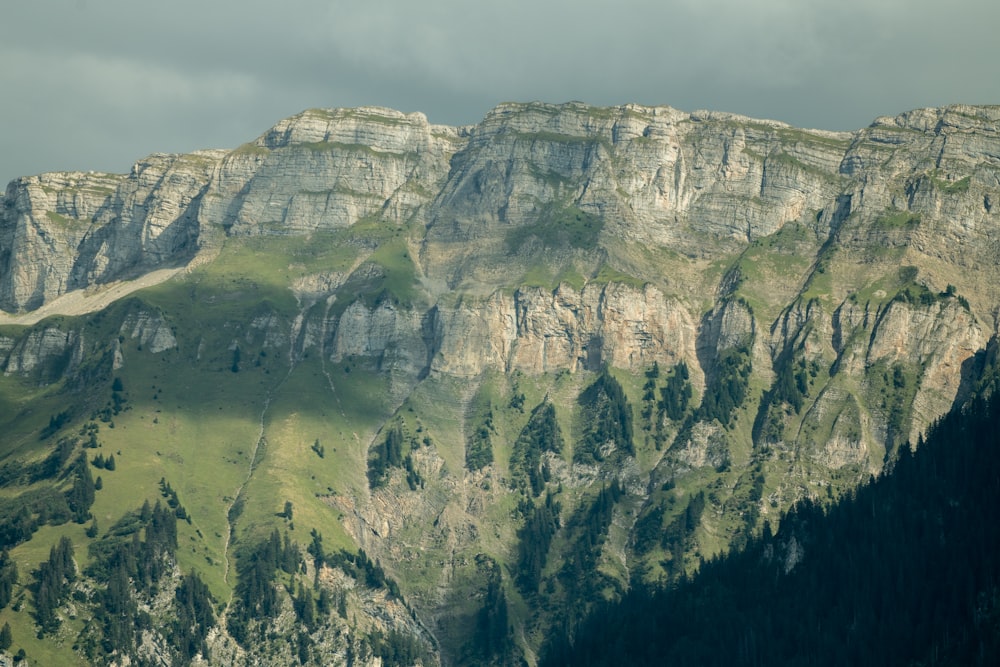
{"x": 67, "y": 231}
{"x": 656, "y": 174}
{"x": 653, "y": 175}
{"x": 540, "y": 331}
{"x": 150, "y": 330}
{"x": 42, "y": 346}
{"x": 816, "y": 300}
{"x": 486, "y": 200}
{"x": 321, "y": 169}
{"x": 329, "y": 169}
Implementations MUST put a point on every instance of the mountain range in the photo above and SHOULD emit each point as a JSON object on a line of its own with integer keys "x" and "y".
{"x": 418, "y": 393}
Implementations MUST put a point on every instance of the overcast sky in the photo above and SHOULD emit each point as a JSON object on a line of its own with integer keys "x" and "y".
{"x": 98, "y": 84}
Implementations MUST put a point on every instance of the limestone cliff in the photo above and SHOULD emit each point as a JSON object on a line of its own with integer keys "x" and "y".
{"x": 724, "y": 314}
{"x": 569, "y": 237}
{"x": 699, "y": 183}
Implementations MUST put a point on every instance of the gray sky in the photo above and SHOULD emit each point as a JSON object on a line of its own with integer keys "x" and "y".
{"x": 98, "y": 84}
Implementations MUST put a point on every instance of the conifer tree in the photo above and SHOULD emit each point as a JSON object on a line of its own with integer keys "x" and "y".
{"x": 8, "y": 577}
{"x": 81, "y": 496}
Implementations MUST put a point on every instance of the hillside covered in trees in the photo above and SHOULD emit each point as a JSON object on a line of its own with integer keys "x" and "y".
{"x": 903, "y": 571}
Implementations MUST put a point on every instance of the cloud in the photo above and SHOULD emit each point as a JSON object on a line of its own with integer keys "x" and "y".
{"x": 100, "y": 83}
{"x": 83, "y": 112}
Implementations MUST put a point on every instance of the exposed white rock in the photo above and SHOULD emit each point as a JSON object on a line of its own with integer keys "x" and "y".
{"x": 936, "y": 339}
{"x": 922, "y": 185}
{"x": 150, "y": 330}
{"x": 386, "y": 334}
{"x": 654, "y": 174}
{"x": 41, "y": 346}
{"x": 532, "y": 330}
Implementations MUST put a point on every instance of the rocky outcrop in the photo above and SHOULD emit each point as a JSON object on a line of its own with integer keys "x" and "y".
{"x": 570, "y": 187}
{"x": 390, "y": 336}
{"x": 329, "y": 169}
{"x": 42, "y": 346}
{"x": 532, "y": 330}
{"x": 45, "y": 219}
{"x": 149, "y": 330}
{"x": 654, "y": 171}
{"x": 654, "y": 175}
{"x": 614, "y": 324}
{"x": 62, "y": 232}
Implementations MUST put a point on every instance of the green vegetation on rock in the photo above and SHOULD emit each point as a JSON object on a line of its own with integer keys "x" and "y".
{"x": 558, "y": 227}
{"x": 727, "y": 388}
{"x": 532, "y": 367}
{"x": 541, "y": 434}
{"x": 607, "y": 421}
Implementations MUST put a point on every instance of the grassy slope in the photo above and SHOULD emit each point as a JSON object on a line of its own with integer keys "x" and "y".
{"x": 193, "y": 421}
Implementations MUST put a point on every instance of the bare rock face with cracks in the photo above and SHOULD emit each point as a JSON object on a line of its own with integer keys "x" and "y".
{"x": 767, "y": 313}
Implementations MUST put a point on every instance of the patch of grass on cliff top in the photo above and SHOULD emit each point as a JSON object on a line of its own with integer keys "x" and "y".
{"x": 250, "y": 149}
{"x": 247, "y": 270}
{"x": 538, "y": 275}
{"x": 609, "y": 274}
{"x": 254, "y": 270}
{"x": 896, "y": 219}
{"x": 900, "y": 283}
{"x": 558, "y": 226}
{"x": 550, "y": 278}
{"x": 820, "y": 284}
{"x": 400, "y": 273}
{"x": 786, "y": 246}
{"x": 878, "y": 291}
{"x": 953, "y": 187}
{"x": 385, "y": 245}
{"x": 570, "y": 276}
{"x": 772, "y": 268}
{"x": 390, "y": 277}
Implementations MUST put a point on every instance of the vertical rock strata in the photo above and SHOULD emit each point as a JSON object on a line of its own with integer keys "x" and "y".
{"x": 780, "y": 310}
{"x": 627, "y": 210}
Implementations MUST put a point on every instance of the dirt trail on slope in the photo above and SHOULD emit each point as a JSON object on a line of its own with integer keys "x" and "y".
{"x": 81, "y": 302}
{"x": 235, "y": 507}
{"x": 98, "y": 297}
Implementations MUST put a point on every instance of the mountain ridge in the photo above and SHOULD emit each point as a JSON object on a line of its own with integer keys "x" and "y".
{"x": 87, "y": 197}
{"x": 364, "y": 314}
